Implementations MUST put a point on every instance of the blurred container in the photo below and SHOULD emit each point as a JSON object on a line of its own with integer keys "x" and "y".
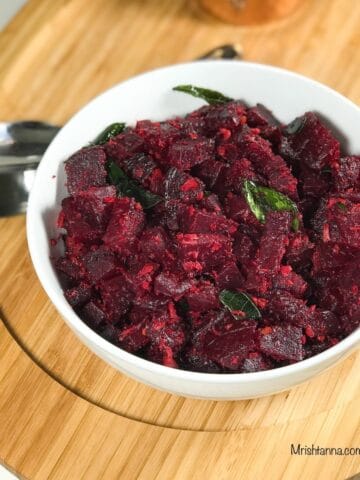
{"x": 247, "y": 12}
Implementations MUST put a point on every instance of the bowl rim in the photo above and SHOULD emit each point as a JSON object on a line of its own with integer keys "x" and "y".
{"x": 82, "y": 330}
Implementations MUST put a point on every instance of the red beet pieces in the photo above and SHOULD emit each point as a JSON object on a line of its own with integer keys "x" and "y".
{"x": 220, "y": 242}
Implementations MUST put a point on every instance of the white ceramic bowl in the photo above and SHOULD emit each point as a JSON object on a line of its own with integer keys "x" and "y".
{"x": 150, "y": 96}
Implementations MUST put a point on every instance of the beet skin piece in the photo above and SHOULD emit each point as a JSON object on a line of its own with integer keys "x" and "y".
{"x": 126, "y": 222}
{"x": 86, "y": 168}
{"x": 307, "y": 140}
{"x": 281, "y": 342}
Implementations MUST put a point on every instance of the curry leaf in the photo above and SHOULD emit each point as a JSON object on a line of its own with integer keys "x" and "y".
{"x": 126, "y": 187}
{"x": 210, "y": 96}
{"x": 239, "y": 302}
{"x": 263, "y": 199}
{"x": 109, "y": 132}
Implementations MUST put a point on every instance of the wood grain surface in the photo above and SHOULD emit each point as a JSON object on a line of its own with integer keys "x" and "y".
{"x": 64, "y": 413}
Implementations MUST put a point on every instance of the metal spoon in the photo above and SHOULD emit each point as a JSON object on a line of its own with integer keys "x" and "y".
{"x": 22, "y": 145}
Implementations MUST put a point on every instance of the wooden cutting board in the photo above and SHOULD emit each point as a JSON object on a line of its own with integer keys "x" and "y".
{"x": 65, "y": 414}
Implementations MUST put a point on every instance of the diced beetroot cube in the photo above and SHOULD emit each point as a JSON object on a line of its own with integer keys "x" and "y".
{"x": 202, "y": 221}
{"x": 78, "y": 295}
{"x": 99, "y": 263}
{"x": 260, "y": 116}
{"x": 124, "y": 146}
{"x": 77, "y": 225}
{"x": 238, "y": 210}
{"x": 228, "y": 152}
{"x": 110, "y": 333}
{"x": 166, "y": 333}
{"x": 231, "y": 343}
{"x": 338, "y": 219}
{"x": 329, "y": 258}
{"x": 85, "y": 215}
{"x": 155, "y": 243}
{"x": 157, "y": 137}
{"x": 230, "y": 116}
{"x": 244, "y": 248}
{"x": 204, "y": 322}
{"x": 282, "y": 342}
{"x": 267, "y": 261}
{"x": 209, "y": 172}
{"x": 185, "y": 154}
{"x": 350, "y": 321}
{"x": 146, "y": 307}
{"x": 269, "y": 127}
{"x": 139, "y": 279}
{"x": 171, "y": 285}
{"x": 116, "y": 297}
{"x": 75, "y": 247}
{"x": 195, "y": 359}
{"x": 339, "y": 290}
{"x": 126, "y": 222}
{"x": 133, "y": 337}
{"x": 93, "y": 315}
{"x": 348, "y": 173}
{"x": 271, "y": 166}
{"x": 202, "y": 252}
{"x": 167, "y": 214}
{"x": 299, "y": 251}
{"x": 211, "y": 203}
{"x": 229, "y": 277}
{"x": 307, "y": 140}
{"x": 202, "y": 297}
{"x": 96, "y": 203}
{"x": 231, "y": 178}
{"x": 323, "y": 323}
{"x": 85, "y": 168}
{"x": 314, "y": 184}
{"x": 288, "y": 309}
{"x": 183, "y": 187}
{"x": 69, "y": 270}
{"x": 290, "y": 281}
{"x": 142, "y": 168}
{"x": 255, "y": 362}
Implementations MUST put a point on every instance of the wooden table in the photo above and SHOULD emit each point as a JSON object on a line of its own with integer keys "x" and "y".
{"x": 65, "y": 414}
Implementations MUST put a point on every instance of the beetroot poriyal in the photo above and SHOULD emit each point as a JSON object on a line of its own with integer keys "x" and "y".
{"x": 220, "y": 242}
